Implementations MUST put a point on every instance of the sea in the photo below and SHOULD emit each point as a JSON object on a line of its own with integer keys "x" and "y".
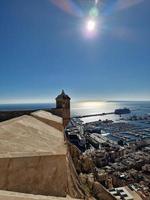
{"x": 138, "y": 108}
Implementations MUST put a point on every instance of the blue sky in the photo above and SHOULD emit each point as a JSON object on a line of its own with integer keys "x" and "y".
{"x": 43, "y": 49}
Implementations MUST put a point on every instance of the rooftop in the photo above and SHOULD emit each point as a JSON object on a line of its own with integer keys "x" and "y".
{"x": 62, "y": 96}
{"x": 124, "y": 192}
{"x": 47, "y": 115}
{"x": 27, "y": 136}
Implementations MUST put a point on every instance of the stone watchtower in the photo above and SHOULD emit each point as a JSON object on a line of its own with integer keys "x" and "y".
{"x": 63, "y": 107}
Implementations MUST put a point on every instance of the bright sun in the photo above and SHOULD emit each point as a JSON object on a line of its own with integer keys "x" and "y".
{"x": 91, "y": 25}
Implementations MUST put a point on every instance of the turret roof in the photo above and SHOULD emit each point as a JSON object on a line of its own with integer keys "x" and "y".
{"x": 62, "y": 96}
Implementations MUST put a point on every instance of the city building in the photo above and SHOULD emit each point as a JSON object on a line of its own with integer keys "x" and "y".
{"x": 124, "y": 193}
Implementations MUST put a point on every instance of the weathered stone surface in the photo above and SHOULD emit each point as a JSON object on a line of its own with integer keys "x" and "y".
{"x": 25, "y": 135}
{"x": 87, "y": 164}
{"x": 75, "y": 188}
{"x": 100, "y": 193}
{"x": 94, "y": 188}
{"x": 34, "y": 158}
{"x": 36, "y": 175}
{"x": 90, "y": 181}
{"x": 82, "y": 162}
{"x": 7, "y": 195}
{"x": 49, "y": 119}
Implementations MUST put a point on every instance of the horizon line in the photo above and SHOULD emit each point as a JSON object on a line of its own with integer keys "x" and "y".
{"x": 77, "y": 101}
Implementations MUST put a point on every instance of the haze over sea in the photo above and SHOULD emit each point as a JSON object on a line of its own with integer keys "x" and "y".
{"x": 89, "y": 107}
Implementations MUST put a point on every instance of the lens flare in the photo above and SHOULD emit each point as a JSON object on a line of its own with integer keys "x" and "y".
{"x": 69, "y": 6}
{"x": 94, "y": 12}
{"x": 91, "y": 25}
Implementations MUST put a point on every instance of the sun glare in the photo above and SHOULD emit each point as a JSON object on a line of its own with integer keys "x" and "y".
{"x": 91, "y": 104}
{"x": 91, "y": 25}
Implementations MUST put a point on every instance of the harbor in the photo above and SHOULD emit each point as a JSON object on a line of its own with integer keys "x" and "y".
{"x": 120, "y": 112}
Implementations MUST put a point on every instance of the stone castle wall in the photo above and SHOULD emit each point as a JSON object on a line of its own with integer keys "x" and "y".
{"x": 6, "y": 115}
{"x": 34, "y": 175}
{"x": 61, "y": 113}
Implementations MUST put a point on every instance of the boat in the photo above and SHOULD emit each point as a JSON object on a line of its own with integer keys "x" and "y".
{"x": 122, "y": 111}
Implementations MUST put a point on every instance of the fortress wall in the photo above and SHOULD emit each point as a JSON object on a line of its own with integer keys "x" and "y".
{"x": 34, "y": 175}
{"x": 57, "y": 111}
{"x": 61, "y": 113}
{"x": 7, "y": 195}
{"x": 6, "y": 115}
{"x": 51, "y": 123}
